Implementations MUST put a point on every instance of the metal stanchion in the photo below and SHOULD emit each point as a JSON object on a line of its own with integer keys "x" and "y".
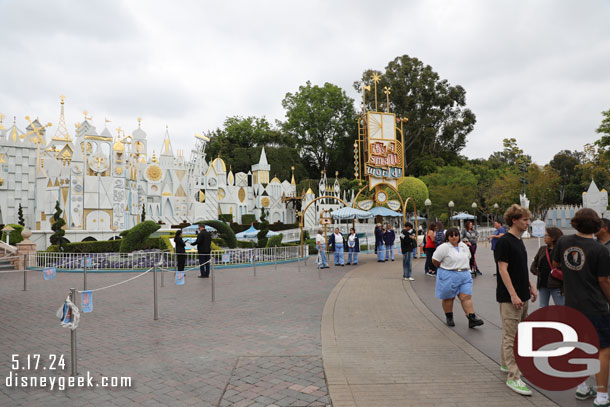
{"x": 25, "y": 275}
{"x": 73, "y": 338}
{"x": 275, "y": 259}
{"x": 85, "y": 273}
{"x": 162, "y": 277}
{"x": 155, "y": 292}
{"x": 254, "y": 262}
{"x": 213, "y": 280}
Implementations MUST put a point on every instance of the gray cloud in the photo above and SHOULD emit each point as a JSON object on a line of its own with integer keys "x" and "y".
{"x": 536, "y": 71}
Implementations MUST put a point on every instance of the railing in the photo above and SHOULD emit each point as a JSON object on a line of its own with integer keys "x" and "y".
{"x": 145, "y": 260}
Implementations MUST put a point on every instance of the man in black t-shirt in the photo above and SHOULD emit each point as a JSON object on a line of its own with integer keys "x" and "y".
{"x": 513, "y": 291}
{"x": 586, "y": 266}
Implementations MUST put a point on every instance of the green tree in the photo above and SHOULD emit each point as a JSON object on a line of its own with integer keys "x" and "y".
{"x": 542, "y": 186}
{"x": 451, "y": 184}
{"x": 20, "y": 216}
{"x": 411, "y": 187}
{"x": 322, "y": 123}
{"x": 505, "y": 190}
{"x": 264, "y": 229}
{"x": 438, "y": 118}
{"x": 566, "y": 163}
{"x": 511, "y": 155}
{"x": 57, "y": 238}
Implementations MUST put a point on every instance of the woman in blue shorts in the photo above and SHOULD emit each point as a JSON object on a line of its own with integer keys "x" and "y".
{"x": 453, "y": 278}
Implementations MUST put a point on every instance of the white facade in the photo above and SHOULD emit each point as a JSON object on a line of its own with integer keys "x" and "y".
{"x": 102, "y": 182}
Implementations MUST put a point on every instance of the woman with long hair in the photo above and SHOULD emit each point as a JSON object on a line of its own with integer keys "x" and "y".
{"x": 180, "y": 250}
{"x": 429, "y": 248}
{"x": 547, "y": 285}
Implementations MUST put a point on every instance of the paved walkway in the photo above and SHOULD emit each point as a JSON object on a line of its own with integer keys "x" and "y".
{"x": 382, "y": 346}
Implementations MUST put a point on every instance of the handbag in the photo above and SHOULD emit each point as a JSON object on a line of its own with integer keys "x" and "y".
{"x": 555, "y": 272}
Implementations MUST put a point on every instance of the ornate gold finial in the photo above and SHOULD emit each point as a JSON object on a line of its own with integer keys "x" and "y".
{"x": 118, "y": 131}
{"x": 106, "y": 121}
{"x": 139, "y": 121}
{"x": 336, "y": 174}
{"x": 1, "y": 118}
{"x": 387, "y": 92}
{"x": 85, "y": 113}
{"x": 154, "y": 158}
{"x": 375, "y": 78}
{"x": 62, "y": 98}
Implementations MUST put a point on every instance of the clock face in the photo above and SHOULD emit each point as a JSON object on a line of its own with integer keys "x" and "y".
{"x": 154, "y": 173}
{"x": 381, "y": 197}
{"x": 98, "y": 163}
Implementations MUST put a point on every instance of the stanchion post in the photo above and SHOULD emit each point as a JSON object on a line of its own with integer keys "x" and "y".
{"x": 162, "y": 277}
{"x": 213, "y": 279}
{"x": 25, "y": 275}
{"x": 299, "y": 256}
{"x": 275, "y": 258}
{"x": 73, "y": 357}
{"x": 156, "y": 311}
{"x": 254, "y": 261}
{"x": 85, "y": 273}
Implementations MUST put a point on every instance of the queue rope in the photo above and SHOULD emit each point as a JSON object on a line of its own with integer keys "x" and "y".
{"x": 119, "y": 283}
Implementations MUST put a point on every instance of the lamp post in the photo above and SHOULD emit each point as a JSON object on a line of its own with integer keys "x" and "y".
{"x": 428, "y": 203}
{"x": 496, "y": 211}
{"x": 474, "y": 212}
{"x": 451, "y": 205}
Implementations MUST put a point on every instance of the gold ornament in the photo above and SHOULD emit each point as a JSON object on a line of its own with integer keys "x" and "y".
{"x": 154, "y": 173}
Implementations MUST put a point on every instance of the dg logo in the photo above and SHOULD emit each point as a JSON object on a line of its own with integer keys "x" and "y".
{"x": 557, "y": 348}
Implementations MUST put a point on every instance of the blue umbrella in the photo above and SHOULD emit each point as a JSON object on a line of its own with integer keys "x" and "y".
{"x": 463, "y": 216}
{"x": 383, "y": 211}
{"x": 350, "y": 213}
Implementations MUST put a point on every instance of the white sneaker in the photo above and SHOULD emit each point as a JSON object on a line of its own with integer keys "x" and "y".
{"x": 405, "y": 278}
{"x": 411, "y": 279}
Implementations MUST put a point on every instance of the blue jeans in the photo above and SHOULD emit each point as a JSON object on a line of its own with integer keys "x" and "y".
{"x": 389, "y": 248}
{"x": 545, "y": 293}
{"x": 406, "y": 264}
{"x": 322, "y": 253}
{"x": 380, "y": 252}
{"x": 339, "y": 255}
{"x": 352, "y": 254}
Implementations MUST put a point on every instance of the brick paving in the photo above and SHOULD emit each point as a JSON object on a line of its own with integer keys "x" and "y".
{"x": 263, "y": 329}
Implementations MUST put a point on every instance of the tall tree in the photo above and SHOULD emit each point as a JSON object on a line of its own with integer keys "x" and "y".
{"x": 511, "y": 155}
{"x": 438, "y": 118}
{"x": 566, "y": 164}
{"x": 57, "y": 238}
{"x": 322, "y": 123}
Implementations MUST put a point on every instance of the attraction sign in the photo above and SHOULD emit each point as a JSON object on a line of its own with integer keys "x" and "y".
{"x": 384, "y": 161}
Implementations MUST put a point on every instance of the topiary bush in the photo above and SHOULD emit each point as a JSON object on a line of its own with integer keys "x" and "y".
{"x": 137, "y": 235}
{"x": 226, "y": 217}
{"x": 14, "y": 236}
{"x": 275, "y": 241}
{"x": 248, "y": 219}
{"x": 225, "y": 232}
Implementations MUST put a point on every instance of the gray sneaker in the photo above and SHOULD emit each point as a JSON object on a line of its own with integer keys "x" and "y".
{"x": 590, "y": 393}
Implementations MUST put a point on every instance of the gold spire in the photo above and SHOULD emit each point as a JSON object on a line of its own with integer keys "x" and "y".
{"x": 61, "y": 134}
{"x": 387, "y": 92}
{"x": 364, "y": 89}
{"x": 292, "y": 180}
{"x": 375, "y": 78}
{"x": 154, "y": 158}
{"x": 139, "y": 121}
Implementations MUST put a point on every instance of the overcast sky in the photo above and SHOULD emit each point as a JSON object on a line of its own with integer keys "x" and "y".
{"x": 538, "y": 71}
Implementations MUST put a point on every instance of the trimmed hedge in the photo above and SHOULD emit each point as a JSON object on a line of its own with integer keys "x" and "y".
{"x": 110, "y": 246}
{"x": 137, "y": 234}
{"x": 224, "y": 231}
{"x": 225, "y": 217}
{"x": 244, "y": 244}
{"x": 15, "y": 235}
{"x": 277, "y": 227}
{"x": 275, "y": 241}
{"x": 219, "y": 242}
{"x": 248, "y": 219}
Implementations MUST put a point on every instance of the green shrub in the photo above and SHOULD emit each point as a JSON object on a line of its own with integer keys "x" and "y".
{"x": 262, "y": 242}
{"x": 226, "y": 217}
{"x": 138, "y": 234}
{"x": 244, "y": 244}
{"x": 237, "y": 228}
{"x": 277, "y": 227}
{"x": 275, "y": 241}
{"x": 124, "y": 233}
{"x": 224, "y": 231}
{"x": 248, "y": 219}
{"x": 15, "y": 235}
{"x": 219, "y": 242}
{"x": 112, "y": 246}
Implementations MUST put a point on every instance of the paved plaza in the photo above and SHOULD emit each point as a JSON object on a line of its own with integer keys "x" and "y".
{"x": 359, "y": 336}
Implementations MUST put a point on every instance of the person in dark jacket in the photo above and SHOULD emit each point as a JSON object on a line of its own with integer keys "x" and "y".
{"x": 541, "y": 266}
{"x": 379, "y": 244}
{"x": 389, "y": 236}
{"x": 353, "y": 247}
{"x": 408, "y": 241}
{"x": 204, "y": 247}
{"x": 336, "y": 243}
{"x": 180, "y": 250}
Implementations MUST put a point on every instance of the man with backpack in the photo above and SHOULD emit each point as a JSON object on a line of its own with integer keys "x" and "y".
{"x": 408, "y": 241}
